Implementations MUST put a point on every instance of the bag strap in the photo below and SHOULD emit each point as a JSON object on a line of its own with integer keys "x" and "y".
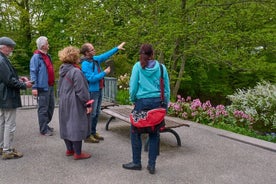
{"x": 92, "y": 60}
{"x": 162, "y": 83}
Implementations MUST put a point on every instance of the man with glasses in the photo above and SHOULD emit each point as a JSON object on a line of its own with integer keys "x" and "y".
{"x": 90, "y": 65}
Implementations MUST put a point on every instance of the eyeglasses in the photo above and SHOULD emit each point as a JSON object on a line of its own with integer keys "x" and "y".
{"x": 10, "y": 47}
{"x": 93, "y": 50}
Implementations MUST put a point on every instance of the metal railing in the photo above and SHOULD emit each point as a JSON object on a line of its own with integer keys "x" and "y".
{"x": 109, "y": 94}
{"x": 110, "y": 89}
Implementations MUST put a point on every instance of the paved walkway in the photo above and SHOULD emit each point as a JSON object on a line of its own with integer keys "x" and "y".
{"x": 207, "y": 156}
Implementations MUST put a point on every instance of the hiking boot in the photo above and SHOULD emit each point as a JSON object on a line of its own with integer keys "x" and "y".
{"x": 81, "y": 156}
{"x": 132, "y": 166}
{"x": 91, "y": 139}
{"x": 51, "y": 129}
{"x": 48, "y": 133}
{"x": 7, "y": 155}
{"x": 16, "y": 153}
{"x": 97, "y": 136}
{"x": 11, "y": 154}
{"x": 151, "y": 169}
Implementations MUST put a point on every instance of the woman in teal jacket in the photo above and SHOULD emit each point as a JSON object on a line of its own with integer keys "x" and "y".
{"x": 91, "y": 68}
{"x": 145, "y": 93}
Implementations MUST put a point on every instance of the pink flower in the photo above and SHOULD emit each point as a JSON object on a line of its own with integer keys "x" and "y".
{"x": 176, "y": 107}
{"x": 241, "y": 115}
{"x": 206, "y": 105}
{"x": 195, "y": 104}
{"x": 188, "y": 99}
{"x": 184, "y": 115}
{"x": 170, "y": 104}
{"x": 194, "y": 113}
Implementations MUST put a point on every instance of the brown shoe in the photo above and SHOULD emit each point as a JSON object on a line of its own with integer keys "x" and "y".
{"x": 1, "y": 151}
{"x": 16, "y": 153}
{"x": 91, "y": 139}
{"x": 97, "y": 136}
{"x": 11, "y": 154}
{"x": 7, "y": 155}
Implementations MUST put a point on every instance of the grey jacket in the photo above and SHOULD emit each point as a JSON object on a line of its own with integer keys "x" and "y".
{"x": 9, "y": 84}
{"x": 73, "y": 96}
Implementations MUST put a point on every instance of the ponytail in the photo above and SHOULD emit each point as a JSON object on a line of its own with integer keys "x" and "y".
{"x": 146, "y": 54}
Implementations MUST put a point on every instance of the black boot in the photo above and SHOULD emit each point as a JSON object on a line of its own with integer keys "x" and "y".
{"x": 151, "y": 169}
{"x": 132, "y": 166}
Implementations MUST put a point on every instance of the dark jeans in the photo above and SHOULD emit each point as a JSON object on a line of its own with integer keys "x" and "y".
{"x": 97, "y": 97}
{"x": 73, "y": 145}
{"x": 136, "y": 142}
{"x": 46, "y": 106}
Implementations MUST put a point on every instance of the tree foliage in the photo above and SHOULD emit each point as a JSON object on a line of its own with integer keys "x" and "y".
{"x": 210, "y": 47}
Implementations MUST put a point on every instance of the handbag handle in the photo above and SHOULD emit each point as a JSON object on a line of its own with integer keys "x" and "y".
{"x": 162, "y": 85}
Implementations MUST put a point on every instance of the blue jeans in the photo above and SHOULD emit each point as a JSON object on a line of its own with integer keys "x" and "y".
{"x": 136, "y": 142}
{"x": 97, "y": 97}
{"x": 46, "y": 106}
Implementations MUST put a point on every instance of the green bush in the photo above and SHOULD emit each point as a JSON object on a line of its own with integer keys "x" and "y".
{"x": 259, "y": 103}
{"x": 123, "y": 86}
{"x": 123, "y": 97}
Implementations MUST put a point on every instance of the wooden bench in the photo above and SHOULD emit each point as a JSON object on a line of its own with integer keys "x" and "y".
{"x": 122, "y": 112}
{"x": 107, "y": 104}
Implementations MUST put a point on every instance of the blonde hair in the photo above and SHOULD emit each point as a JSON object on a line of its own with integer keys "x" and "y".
{"x": 69, "y": 54}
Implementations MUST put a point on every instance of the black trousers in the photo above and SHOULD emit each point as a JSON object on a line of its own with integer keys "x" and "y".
{"x": 73, "y": 145}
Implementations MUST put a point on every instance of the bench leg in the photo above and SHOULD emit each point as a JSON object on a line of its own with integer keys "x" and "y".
{"x": 146, "y": 146}
{"x": 175, "y": 134}
{"x": 107, "y": 123}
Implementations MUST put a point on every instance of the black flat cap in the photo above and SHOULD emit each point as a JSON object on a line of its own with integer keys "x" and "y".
{"x": 7, "y": 41}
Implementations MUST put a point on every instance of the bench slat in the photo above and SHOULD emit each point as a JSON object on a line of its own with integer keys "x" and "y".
{"x": 116, "y": 115}
{"x": 106, "y": 104}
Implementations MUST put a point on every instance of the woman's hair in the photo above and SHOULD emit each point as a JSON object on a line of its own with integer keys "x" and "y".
{"x": 41, "y": 41}
{"x": 146, "y": 54}
{"x": 69, "y": 54}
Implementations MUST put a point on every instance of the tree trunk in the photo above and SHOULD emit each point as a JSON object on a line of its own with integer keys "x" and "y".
{"x": 180, "y": 74}
{"x": 179, "y": 55}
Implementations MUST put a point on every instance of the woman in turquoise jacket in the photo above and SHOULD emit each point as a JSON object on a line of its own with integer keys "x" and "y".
{"x": 145, "y": 93}
{"x": 91, "y": 68}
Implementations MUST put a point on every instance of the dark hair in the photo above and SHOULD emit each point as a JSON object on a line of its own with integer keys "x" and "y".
{"x": 146, "y": 54}
{"x": 84, "y": 48}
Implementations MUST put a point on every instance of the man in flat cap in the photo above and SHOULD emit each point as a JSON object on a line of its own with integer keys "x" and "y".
{"x": 10, "y": 86}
